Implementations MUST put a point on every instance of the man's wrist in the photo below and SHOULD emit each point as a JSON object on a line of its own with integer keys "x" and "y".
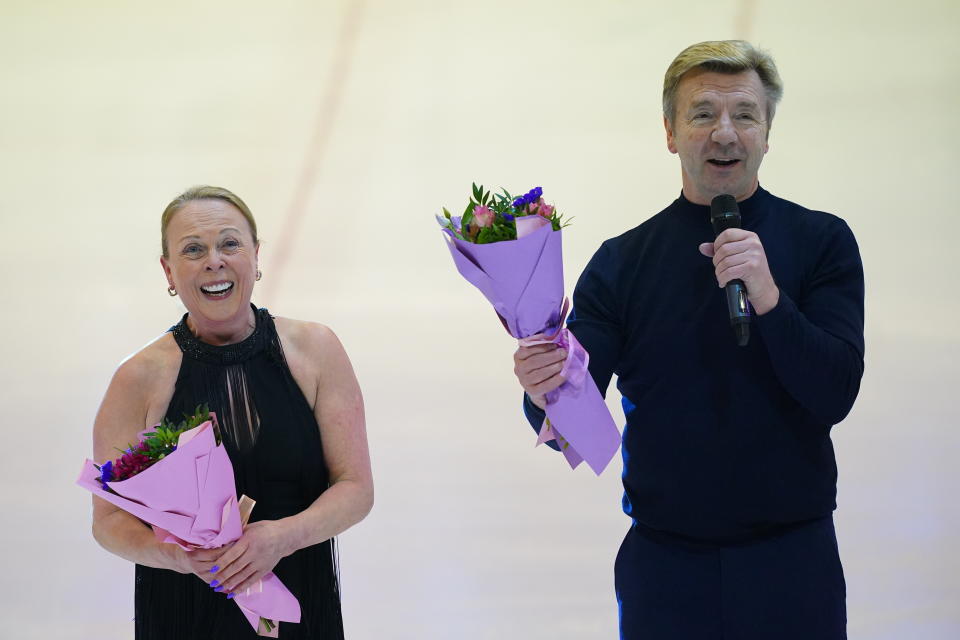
{"x": 768, "y": 302}
{"x": 540, "y": 402}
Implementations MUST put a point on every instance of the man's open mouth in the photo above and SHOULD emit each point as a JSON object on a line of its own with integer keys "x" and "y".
{"x": 722, "y": 163}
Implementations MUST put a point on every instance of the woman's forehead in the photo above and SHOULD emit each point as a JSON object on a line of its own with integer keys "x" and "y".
{"x": 208, "y": 215}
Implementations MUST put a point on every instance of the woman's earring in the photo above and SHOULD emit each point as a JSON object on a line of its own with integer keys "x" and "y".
{"x": 259, "y": 275}
{"x": 171, "y": 290}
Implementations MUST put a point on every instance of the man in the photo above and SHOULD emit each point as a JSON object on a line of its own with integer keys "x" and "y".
{"x": 729, "y": 471}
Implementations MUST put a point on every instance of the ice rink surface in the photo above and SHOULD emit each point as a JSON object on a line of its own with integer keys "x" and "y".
{"x": 346, "y": 125}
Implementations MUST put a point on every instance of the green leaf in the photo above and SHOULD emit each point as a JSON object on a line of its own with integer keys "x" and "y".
{"x": 446, "y": 213}
{"x": 496, "y": 233}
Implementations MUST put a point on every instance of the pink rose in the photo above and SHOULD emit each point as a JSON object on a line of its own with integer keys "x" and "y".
{"x": 483, "y": 216}
{"x": 540, "y": 208}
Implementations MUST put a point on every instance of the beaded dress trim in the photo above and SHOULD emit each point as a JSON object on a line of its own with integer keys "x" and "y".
{"x": 226, "y": 354}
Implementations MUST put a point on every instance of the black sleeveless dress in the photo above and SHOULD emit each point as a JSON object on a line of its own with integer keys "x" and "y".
{"x": 274, "y": 443}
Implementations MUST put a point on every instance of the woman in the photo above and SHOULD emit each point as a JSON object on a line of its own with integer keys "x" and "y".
{"x": 292, "y": 419}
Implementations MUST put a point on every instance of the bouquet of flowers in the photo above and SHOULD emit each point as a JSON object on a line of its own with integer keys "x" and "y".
{"x": 510, "y": 249}
{"x": 179, "y": 479}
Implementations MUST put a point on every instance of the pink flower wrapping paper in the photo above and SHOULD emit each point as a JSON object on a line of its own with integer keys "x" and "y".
{"x": 523, "y": 280}
{"x": 189, "y": 498}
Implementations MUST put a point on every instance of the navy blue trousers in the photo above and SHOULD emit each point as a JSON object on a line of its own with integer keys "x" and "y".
{"x": 785, "y": 586}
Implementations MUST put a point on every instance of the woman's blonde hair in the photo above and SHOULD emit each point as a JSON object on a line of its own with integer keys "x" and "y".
{"x": 723, "y": 56}
{"x": 203, "y": 192}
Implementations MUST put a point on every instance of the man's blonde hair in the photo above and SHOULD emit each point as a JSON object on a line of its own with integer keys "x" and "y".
{"x": 203, "y": 192}
{"x": 722, "y": 56}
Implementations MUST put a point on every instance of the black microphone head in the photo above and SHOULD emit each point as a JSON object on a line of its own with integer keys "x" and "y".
{"x": 724, "y": 213}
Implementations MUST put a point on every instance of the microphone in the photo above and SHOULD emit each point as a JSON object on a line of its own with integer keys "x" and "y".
{"x": 725, "y": 214}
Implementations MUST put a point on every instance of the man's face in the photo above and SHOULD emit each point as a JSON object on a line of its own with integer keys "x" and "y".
{"x": 719, "y": 131}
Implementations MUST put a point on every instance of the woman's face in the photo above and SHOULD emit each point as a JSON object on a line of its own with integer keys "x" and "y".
{"x": 212, "y": 260}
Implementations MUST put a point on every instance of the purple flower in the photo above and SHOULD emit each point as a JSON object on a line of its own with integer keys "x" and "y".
{"x": 529, "y": 197}
{"x": 106, "y": 473}
{"x": 507, "y": 217}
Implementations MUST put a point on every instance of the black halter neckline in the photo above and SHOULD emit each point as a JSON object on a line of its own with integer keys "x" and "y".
{"x": 226, "y": 354}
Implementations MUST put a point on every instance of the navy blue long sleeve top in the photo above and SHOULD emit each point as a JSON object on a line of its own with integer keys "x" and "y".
{"x": 724, "y": 442}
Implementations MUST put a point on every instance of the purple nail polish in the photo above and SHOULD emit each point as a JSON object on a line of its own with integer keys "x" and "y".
{"x": 230, "y": 596}
{"x": 219, "y": 589}
{"x": 214, "y": 583}
{"x": 214, "y": 569}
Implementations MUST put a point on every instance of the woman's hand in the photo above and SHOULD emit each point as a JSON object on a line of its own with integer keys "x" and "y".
{"x": 255, "y": 554}
{"x": 196, "y": 561}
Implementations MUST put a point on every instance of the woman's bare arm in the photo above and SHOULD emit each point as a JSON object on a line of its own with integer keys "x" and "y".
{"x": 136, "y": 399}
{"x": 318, "y": 361}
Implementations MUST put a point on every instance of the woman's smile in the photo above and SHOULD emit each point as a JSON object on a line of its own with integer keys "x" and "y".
{"x": 217, "y": 290}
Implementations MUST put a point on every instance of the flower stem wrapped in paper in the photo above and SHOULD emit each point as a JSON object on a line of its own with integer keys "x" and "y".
{"x": 510, "y": 249}
{"x": 179, "y": 479}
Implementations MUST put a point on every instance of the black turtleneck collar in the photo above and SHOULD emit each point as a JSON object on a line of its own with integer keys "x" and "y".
{"x": 751, "y": 210}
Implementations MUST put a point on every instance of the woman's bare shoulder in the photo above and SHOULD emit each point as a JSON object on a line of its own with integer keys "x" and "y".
{"x": 305, "y": 337}
{"x": 150, "y": 362}
{"x": 143, "y": 383}
{"x": 313, "y": 352}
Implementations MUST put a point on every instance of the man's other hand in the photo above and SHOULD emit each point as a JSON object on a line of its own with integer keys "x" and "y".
{"x": 538, "y": 370}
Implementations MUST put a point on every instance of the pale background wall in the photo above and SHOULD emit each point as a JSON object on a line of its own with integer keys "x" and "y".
{"x": 346, "y": 125}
